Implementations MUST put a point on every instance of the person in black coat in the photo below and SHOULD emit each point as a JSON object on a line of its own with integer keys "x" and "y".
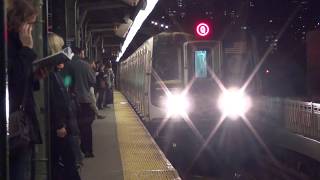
{"x": 20, "y": 18}
{"x": 63, "y": 126}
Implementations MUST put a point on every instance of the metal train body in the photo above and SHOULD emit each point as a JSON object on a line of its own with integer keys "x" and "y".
{"x": 177, "y": 59}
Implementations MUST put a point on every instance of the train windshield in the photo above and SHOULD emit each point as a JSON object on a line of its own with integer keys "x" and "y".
{"x": 167, "y": 55}
{"x": 200, "y": 64}
{"x": 166, "y": 61}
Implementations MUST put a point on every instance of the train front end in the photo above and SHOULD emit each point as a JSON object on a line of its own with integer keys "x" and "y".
{"x": 215, "y": 80}
{"x": 199, "y": 92}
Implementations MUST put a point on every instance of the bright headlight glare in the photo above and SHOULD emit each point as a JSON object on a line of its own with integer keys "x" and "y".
{"x": 176, "y": 105}
{"x": 234, "y": 103}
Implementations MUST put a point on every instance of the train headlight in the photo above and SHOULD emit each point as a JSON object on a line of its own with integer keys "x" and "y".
{"x": 176, "y": 105}
{"x": 234, "y": 103}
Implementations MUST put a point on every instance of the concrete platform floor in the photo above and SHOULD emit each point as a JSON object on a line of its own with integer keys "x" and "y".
{"x": 106, "y": 165}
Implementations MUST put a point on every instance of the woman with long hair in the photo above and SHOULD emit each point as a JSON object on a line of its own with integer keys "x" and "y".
{"x": 21, "y": 15}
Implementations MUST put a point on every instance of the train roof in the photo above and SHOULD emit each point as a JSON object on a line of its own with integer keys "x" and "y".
{"x": 165, "y": 34}
{"x": 176, "y": 36}
{"x": 164, "y": 38}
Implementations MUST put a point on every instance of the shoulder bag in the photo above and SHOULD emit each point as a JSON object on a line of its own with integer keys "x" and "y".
{"x": 20, "y": 126}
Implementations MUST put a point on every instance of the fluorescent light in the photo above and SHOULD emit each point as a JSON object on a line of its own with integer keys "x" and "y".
{"x": 7, "y": 107}
{"x": 138, "y": 20}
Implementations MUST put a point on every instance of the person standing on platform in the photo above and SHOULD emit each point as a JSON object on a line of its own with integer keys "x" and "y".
{"x": 101, "y": 86}
{"x": 84, "y": 78}
{"x": 69, "y": 81}
{"x": 109, "y": 76}
{"x": 61, "y": 113}
{"x": 21, "y": 16}
{"x": 93, "y": 104}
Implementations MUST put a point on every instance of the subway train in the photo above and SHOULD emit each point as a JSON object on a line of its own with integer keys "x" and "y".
{"x": 174, "y": 75}
{"x": 181, "y": 86}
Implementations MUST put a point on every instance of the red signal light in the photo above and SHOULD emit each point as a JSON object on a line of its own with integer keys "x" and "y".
{"x": 203, "y": 29}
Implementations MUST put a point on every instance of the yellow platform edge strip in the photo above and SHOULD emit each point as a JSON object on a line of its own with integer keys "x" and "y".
{"x": 141, "y": 157}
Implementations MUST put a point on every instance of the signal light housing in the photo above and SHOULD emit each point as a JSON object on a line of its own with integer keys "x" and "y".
{"x": 203, "y": 29}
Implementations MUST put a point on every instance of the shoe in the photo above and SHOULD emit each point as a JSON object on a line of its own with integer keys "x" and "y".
{"x": 79, "y": 165}
{"x": 100, "y": 116}
{"x": 88, "y": 155}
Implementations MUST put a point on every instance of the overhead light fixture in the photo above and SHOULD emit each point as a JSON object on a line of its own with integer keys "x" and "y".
{"x": 138, "y": 20}
{"x": 131, "y": 2}
{"x": 123, "y": 29}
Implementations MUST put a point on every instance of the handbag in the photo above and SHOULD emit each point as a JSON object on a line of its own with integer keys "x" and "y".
{"x": 19, "y": 127}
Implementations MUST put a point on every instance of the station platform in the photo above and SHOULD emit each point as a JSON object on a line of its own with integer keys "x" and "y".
{"x": 123, "y": 148}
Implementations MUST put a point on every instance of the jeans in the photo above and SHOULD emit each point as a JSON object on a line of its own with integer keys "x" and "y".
{"x": 101, "y": 98}
{"x": 86, "y": 138}
{"x": 75, "y": 144}
{"x": 61, "y": 150}
{"x": 86, "y": 118}
{"x": 20, "y": 164}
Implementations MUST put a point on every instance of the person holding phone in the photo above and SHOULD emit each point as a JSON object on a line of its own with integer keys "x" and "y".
{"x": 21, "y": 15}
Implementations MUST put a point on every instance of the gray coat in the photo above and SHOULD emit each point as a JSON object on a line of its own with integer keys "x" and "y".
{"x": 83, "y": 78}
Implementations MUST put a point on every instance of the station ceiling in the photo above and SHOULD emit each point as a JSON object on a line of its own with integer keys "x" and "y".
{"x": 103, "y": 17}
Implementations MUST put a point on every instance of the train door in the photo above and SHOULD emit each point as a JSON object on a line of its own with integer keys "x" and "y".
{"x": 202, "y": 62}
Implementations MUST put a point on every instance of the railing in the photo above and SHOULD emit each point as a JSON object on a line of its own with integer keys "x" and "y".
{"x": 296, "y": 116}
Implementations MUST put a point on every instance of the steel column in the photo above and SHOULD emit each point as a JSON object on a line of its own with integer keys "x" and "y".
{"x": 3, "y": 87}
{"x": 40, "y": 159}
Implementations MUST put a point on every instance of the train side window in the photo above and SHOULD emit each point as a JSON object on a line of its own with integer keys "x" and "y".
{"x": 200, "y": 64}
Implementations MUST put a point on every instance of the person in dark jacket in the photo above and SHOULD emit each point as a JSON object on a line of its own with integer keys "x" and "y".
{"x": 109, "y": 76}
{"x": 101, "y": 86}
{"x": 84, "y": 78}
{"x": 20, "y": 18}
{"x": 69, "y": 81}
{"x": 62, "y": 126}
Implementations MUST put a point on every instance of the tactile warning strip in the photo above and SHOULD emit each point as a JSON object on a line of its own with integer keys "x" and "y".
{"x": 141, "y": 157}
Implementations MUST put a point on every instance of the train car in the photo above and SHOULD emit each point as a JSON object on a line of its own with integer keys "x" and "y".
{"x": 172, "y": 74}
{"x": 161, "y": 57}
{"x": 181, "y": 86}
